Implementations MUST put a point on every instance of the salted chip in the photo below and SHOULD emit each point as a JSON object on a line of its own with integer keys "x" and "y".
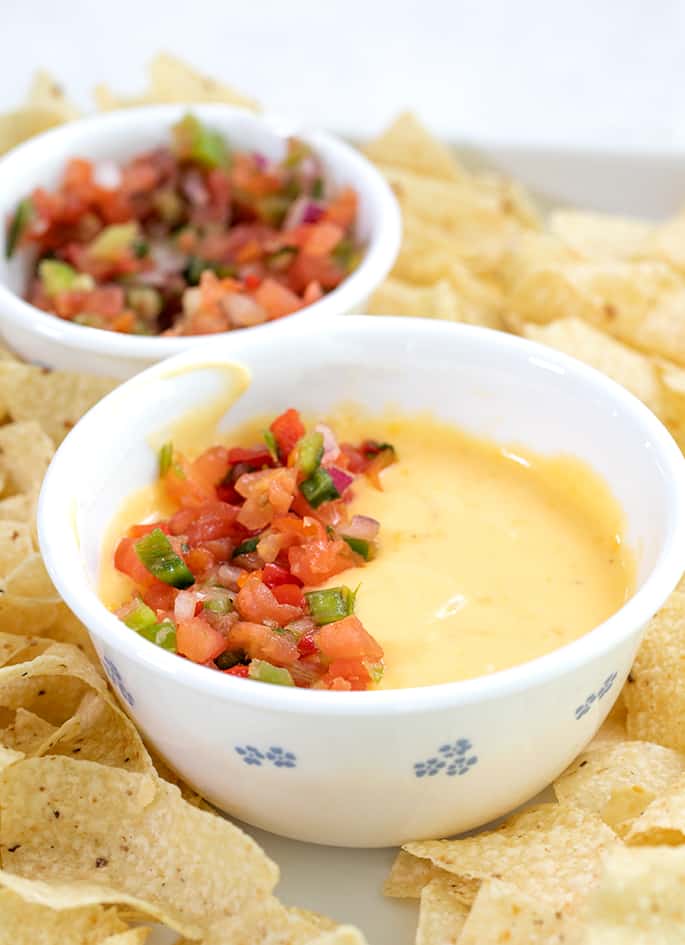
{"x": 619, "y": 781}
{"x": 131, "y": 832}
{"x": 16, "y": 544}
{"x": 640, "y": 303}
{"x": 55, "y": 400}
{"x": 666, "y": 241}
{"x": 29, "y": 578}
{"x": 67, "y": 628}
{"x": 655, "y": 692}
{"x": 264, "y": 922}
{"x": 343, "y": 935}
{"x": 527, "y": 252}
{"x": 409, "y": 875}
{"x": 440, "y": 301}
{"x": 425, "y": 255}
{"x": 20, "y": 507}
{"x": 99, "y": 731}
{"x": 599, "y": 236}
{"x": 11, "y": 645}
{"x": 640, "y": 899}
{"x": 27, "y": 733}
{"x": 23, "y": 123}
{"x": 442, "y": 914}
{"x": 407, "y": 143}
{"x": 171, "y": 81}
{"x": 26, "y": 923}
{"x": 634, "y": 370}
{"x": 25, "y": 453}
{"x": 502, "y": 913}
{"x": 46, "y": 92}
{"x": 672, "y": 389}
{"x": 549, "y": 852}
{"x": 663, "y": 821}
{"x": 129, "y": 937}
{"x": 613, "y": 729}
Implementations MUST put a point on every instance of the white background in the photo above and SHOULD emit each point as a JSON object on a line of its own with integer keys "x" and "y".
{"x": 601, "y": 72}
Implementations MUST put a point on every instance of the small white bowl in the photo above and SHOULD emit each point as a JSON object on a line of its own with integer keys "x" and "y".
{"x": 366, "y": 768}
{"x": 51, "y": 341}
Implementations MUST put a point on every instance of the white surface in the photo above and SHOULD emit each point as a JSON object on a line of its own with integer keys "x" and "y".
{"x": 587, "y": 72}
{"x": 54, "y": 342}
{"x": 356, "y": 753}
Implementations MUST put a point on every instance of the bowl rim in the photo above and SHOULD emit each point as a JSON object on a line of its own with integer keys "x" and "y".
{"x": 633, "y": 615}
{"x": 380, "y": 255}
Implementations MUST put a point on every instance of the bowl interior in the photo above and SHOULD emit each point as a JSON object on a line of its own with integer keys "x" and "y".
{"x": 484, "y": 382}
{"x": 121, "y": 135}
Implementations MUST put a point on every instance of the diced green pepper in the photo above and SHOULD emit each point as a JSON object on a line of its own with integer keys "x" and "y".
{"x": 166, "y": 455}
{"x": 194, "y": 270}
{"x": 330, "y": 604}
{"x": 318, "y": 188}
{"x": 272, "y": 209}
{"x": 319, "y": 488}
{"x": 140, "y": 617}
{"x": 113, "y": 241}
{"x": 195, "y": 142}
{"x": 57, "y": 276}
{"x": 297, "y": 151}
{"x": 219, "y": 603}
{"x": 282, "y": 258}
{"x": 245, "y": 547}
{"x": 262, "y": 671}
{"x": 271, "y": 444}
{"x": 141, "y": 248}
{"x": 309, "y": 452}
{"x": 347, "y": 255}
{"x": 162, "y": 634}
{"x": 169, "y": 205}
{"x": 145, "y": 301}
{"x": 158, "y": 556}
{"x": 361, "y": 546}
{"x": 229, "y": 659}
{"x": 20, "y": 220}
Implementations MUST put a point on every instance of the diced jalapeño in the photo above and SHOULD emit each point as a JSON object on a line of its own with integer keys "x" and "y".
{"x": 309, "y": 452}
{"x": 330, "y": 604}
{"x": 246, "y": 547}
{"x": 262, "y": 671}
{"x": 166, "y": 455}
{"x": 360, "y": 546}
{"x": 319, "y": 488}
{"x": 194, "y": 142}
{"x": 20, "y": 221}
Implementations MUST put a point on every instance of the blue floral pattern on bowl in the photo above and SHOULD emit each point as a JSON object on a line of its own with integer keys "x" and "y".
{"x": 452, "y": 758}
{"x": 117, "y": 680}
{"x": 274, "y": 755}
{"x": 593, "y": 697}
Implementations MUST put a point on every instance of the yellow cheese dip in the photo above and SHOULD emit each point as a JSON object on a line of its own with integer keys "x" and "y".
{"x": 488, "y": 556}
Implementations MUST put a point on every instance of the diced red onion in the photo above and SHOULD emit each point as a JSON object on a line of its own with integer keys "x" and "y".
{"x": 228, "y": 576}
{"x": 304, "y": 674}
{"x": 184, "y": 606}
{"x": 107, "y": 174}
{"x": 331, "y": 450}
{"x": 341, "y": 479}
{"x": 242, "y": 310}
{"x": 309, "y": 170}
{"x": 261, "y": 161}
{"x": 302, "y": 626}
{"x": 362, "y": 526}
{"x": 193, "y": 187}
{"x": 167, "y": 258}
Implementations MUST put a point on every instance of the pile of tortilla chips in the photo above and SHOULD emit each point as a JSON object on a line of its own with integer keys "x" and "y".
{"x": 97, "y": 836}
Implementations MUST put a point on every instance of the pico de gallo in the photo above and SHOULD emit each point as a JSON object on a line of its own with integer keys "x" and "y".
{"x": 233, "y": 579}
{"x": 188, "y": 239}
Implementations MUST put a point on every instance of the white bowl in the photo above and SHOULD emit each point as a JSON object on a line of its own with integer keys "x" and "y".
{"x": 361, "y": 768}
{"x": 56, "y": 343}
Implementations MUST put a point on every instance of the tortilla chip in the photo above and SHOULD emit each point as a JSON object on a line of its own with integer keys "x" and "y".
{"x": 663, "y": 821}
{"x": 672, "y": 390}
{"x": 599, "y": 237}
{"x": 17, "y": 507}
{"x": 441, "y": 915}
{"x": 11, "y": 645}
{"x": 618, "y": 782}
{"x": 322, "y": 922}
{"x": 131, "y": 832}
{"x": 441, "y": 301}
{"x": 640, "y": 899}
{"x": 502, "y": 913}
{"x": 634, "y": 370}
{"x": 667, "y": 242}
{"x": 130, "y": 937}
{"x": 409, "y": 875}
{"x": 264, "y": 922}
{"x": 549, "y": 852}
{"x": 408, "y": 144}
{"x": 613, "y": 729}
{"x": 655, "y": 692}
{"x": 56, "y": 400}
{"x": 16, "y": 544}
{"x": 24, "y": 923}
{"x": 23, "y": 123}
{"x": 46, "y": 92}
{"x": 343, "y": 935}
{"x": 171, "y": 81}
{"x": 25, "y": 452}
{"x": 27, "y": 733}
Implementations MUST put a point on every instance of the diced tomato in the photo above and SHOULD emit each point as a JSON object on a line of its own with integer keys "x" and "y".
{"x": 257, "y": 603}
{"x": 211, "y": 467}
{"x": 323, "y": 238}
{"x": 207, "y": 522}
{"x": 276, "y": 299}
{"x": 160, "y": 596}
{"x": 256, "y": 456}
{"x": 299, "y": 530}
{"x": 306, "y": 645}
{"x": 259, "y": 642}
{"x": 287, "y": 428}
{"x": 274, "y": 574}
{"x": 351, "y": 671}
{"x": 268, "y": 494}
{"x": 307, "y": 269}
{"x": 198, "y": 641}
{"x": 199, "y": 560}
{"x": 127, "y": 561}
{"x": 220, "y": 548}
{"x": 356, "y": 461}
{"x": 137, "y": 531}
{"x": 316, "y": 561}
{"x": 348, "y": 640}
{"x": 289, "y": 594}
{"x": 343, "y": 208}
{"x": 239, "y": 670}
{"x": 312, "y": 293}
{"x": 181, "y": 487}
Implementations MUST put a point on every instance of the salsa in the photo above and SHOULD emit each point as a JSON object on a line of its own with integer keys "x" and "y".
{"x": 233, "y": 579}
{"x": 188, "y": 239}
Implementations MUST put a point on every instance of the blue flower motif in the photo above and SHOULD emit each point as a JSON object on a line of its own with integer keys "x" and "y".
{"x": 117, "y": 680}
{"x": 593, "y": 697}
{"x": 275, "y": 755}
{"x": 452, "y": 758}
